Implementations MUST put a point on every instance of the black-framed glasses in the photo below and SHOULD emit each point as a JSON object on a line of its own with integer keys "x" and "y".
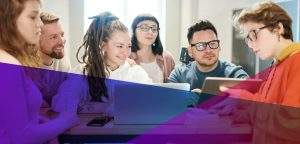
{"x": 146, "y": 28}
{"x": 201, "y": 46}
{"x": 252, "y": 35}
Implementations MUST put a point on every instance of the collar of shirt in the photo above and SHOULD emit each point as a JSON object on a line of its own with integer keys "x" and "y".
{"x": 288, "y": 51}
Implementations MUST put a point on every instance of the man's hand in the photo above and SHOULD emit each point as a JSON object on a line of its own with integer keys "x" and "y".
{"x": 197, "y": 91}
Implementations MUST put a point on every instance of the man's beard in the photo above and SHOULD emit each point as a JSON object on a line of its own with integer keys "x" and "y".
{"x": 207, "y": 65}
{"x": 56, "y": 55}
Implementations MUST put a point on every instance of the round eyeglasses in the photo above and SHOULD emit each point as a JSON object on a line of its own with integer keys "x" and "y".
{"x": 252, "y": 35}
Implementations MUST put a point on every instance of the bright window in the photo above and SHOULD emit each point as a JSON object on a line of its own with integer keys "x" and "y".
{"x": 127, "y": 10}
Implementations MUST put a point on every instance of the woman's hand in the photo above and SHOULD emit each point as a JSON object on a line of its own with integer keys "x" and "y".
{"x": 72, "y": 119}
{"x": 238, "y": 93}
{"x": 69, "y": 113}
{"x": 131, "y": 62}
{"x": 43, "y": 119}
{"x": 234, "y": 93}
{"x": 224, "y": 108}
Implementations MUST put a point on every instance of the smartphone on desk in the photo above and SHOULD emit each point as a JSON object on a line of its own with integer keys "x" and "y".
{"x": 100, "y": 121}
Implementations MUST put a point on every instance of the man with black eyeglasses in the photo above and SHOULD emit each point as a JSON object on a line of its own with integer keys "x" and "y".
{"x": 204, "y": 48}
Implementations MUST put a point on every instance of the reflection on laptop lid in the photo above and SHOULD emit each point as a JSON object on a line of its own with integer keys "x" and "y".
{"x": 147, "y": 104}
{"x": 178, "y": 86}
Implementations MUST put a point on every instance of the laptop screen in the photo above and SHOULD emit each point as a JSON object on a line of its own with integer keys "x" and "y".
{"x": 147, "y": 104}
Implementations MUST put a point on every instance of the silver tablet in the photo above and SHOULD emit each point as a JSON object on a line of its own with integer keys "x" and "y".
{"x": 211, "y": 85}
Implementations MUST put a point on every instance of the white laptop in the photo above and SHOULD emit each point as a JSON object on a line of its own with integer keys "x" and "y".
{"x": 139, "y": 104}
{"x": 178, "y": 86}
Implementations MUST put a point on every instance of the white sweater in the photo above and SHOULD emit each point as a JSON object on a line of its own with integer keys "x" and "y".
{"x": 75, "y": 90}
{"x": 130, "y": 73}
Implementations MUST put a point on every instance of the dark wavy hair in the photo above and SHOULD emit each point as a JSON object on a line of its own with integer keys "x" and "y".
{"x": 100, "y": 30}
{"x": 199, "y": 26}
{"x": 157, "y": 48}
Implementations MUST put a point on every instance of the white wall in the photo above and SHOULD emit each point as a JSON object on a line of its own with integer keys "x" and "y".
{"x": 219, "y": 12}
{"x": 76, "y": 26}
{"x": 71, "y": 13}
{"x": 183, "y": 13}
{"x": 180, "y": 14}
{"x": 173, "y": 25}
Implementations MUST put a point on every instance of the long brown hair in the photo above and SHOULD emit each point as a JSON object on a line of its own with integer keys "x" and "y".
{"x": 10, "y": 38}
{"x": 100, "y": 30}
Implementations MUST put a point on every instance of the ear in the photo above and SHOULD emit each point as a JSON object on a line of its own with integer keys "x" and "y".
{"x": 102, "y": 46}
{"x": 190, "y": 51}
{"x": 279, "y": 29}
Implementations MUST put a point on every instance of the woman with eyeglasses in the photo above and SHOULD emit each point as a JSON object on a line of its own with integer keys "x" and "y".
{"x": 274, "y": 113}
{"x": 147, "y": 49}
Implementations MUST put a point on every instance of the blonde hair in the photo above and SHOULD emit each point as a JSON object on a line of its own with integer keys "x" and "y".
{"x": 48, "y": 18}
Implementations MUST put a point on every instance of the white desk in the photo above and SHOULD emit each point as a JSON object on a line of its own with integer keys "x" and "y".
{"x": 205, "y": 127}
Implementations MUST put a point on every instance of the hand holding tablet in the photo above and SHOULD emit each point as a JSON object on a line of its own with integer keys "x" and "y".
{"x": 212, "y": 85}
